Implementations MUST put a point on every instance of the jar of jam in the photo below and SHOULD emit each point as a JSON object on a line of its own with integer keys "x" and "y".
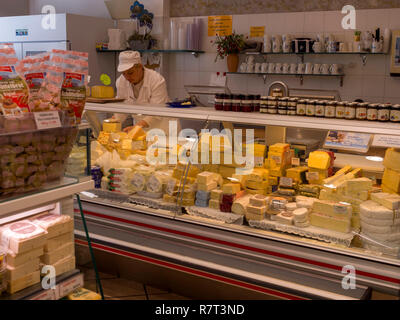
{"x": 272, "y": 105}
{"x": 301, "y": 107}
{"x": 227, "y": 102}
{"x": 361, "y": 111}
{"x": 310, "y": 108}
{"x": 350, "y": 110}
{"x": 219, "y": 101}
{"x": 340, "y": 110}
{"x": 384, "y": 112}
{"x": 247, "y": 104}
{"x": 236, "y": 103}
{"x": 292, "y": 106}
{"x": 330, "y": 109}
{"x": 282, "y": 105}
{"x": 277, "y": 93}
{"x": 264, "y": 104}
{"x": 395, "y": 113}
{"x": 320, "y": 108}
{"x": 372, "y": 112}
{"x": 256, "y": 103}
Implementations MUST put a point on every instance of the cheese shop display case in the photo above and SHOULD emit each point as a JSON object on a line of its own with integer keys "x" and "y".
{"x": 230, "y": 199}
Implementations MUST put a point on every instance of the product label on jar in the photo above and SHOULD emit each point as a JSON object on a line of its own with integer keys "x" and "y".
{"x": 310, "y": 110}
{"x": 383, "y": 115}
{"x": 361, "y": 113}
{"x": 395, "y": 116}
{"x": 340, "y": 112}
{"x": 330, "y": 112}
{"x": 350, "y": 113}
{"x": 372, "y": 114}
{"x": 319, "y": 110}
{"x": 301, "y": 109}
{"x": 272, "y": 111}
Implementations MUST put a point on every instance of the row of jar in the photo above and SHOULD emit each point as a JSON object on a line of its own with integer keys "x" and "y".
{"x": 330, "y": 109}
{"x": 237, "y": 102}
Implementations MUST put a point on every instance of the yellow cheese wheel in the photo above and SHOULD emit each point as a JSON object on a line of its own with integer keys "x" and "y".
{"x": 102, "y": 92}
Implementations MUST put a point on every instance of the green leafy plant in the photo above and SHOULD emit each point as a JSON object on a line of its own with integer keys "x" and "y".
{"x": 227, "y": 45}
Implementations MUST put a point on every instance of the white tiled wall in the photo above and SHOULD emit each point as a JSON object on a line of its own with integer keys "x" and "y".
{"x": 371, "y": 82}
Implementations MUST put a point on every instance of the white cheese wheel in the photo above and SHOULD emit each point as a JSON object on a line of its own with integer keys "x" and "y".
{"x": 300, "y": 215}
{"x": 291, "y": 206}
{"x": 371, "y": 209}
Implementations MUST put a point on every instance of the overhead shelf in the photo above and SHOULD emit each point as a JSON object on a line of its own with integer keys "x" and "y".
{"x": 255, "y": 118}
{"x": 194, "y": 52}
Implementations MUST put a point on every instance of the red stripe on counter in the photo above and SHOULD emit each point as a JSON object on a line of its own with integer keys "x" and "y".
{"x": 235, "y": 245}
{"x": 192, "y": 271}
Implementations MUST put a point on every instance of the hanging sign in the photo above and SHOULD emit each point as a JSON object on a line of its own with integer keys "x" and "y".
{"x": 219, "y": 25}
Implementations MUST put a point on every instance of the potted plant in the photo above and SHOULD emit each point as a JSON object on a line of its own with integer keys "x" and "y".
{"x": 230, "y": 46}
{"x": 141, "y": 39}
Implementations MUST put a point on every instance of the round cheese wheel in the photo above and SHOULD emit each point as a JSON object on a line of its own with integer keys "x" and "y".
{"x": 300, "y": 215}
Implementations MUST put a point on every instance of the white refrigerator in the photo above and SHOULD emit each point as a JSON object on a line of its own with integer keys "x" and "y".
{"x": 70, "y": 32}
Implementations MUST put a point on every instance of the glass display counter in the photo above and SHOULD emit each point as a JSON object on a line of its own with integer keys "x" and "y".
{"x": 282, "y": 192}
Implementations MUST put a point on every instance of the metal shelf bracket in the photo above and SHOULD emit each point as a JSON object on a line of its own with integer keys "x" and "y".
{"x": 364, "y": 59}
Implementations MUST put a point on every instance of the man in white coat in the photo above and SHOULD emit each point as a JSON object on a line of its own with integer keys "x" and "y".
{"x": 139, "y": 85}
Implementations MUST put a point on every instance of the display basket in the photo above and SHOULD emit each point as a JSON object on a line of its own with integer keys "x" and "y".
{"x": 29, "y": 157}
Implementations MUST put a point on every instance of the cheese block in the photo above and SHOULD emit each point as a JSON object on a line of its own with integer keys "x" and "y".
{"x": 102, "y": 92}
{"x": 372, "y": 228}
{"x": 258, "y": 175}
{"x": 205, "y": 178}
{"x": 284, "y": 218}
{"x": 279, "y": 147}
{"x": 239, "y": 178}
{"x": 257, "y": 191}
{"x": 388, "y": 189}
{"x": 188, "y": 202}
{"x": 24, "y": 282}
{"x": 52, "y": 257}
{"x": 273, "y": 181}
{"x": 135, "y": 133}
{"x": 83, "y": 294}
{"x": 227, "y": 172}
{"x": 357, "y": 185}
{"x": 259, "y": 200}
{"x": 298, "y": 174}
{"x": 239, "y": 205}
{"x": 168, "y": 198}
{"x": 319, "y": 160}
{"x": 333, "y": 209}
{"x": 331, "y": 223}
{"x": 203, "y": 195}
{"x": 201, "y": 203}
{"x": 291, "y": 206}
{"x": 230, "y": 188}
{"x": 22, "y": 236}
{"x": 392, "y": 159}
{"x": 278, "y": 158}
{"x": 286, "y": 192}
{"x": 255, "y": 217}
{"x": 277, "y": 172}
{"x": 54, "y": 224}
{"x": 380, "y": 222}
{"x": 62, "y": 266}
{"x": 216, "y": 194}
{"x": 374, "y": 210}
{"x": 14, "y": 273}
{"x": 256, "y": 185}
{"x": 300, "y": 215}
{"x": 390, "y": 201}
{"x": 104, "y": 137}
{"x": 57, "y": 242}
{"x": 256, "y": 210}
{"x": 14, "y": 260}
{"x": 214, "y": 204}
{"x": 338, "y": 177}
{"x": 207, "y": 187}
{"x": 362, "y": 195}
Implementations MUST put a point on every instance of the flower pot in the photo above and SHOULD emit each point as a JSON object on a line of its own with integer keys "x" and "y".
{"x": 139, "y": 44}
{"x": 233, "y": 62}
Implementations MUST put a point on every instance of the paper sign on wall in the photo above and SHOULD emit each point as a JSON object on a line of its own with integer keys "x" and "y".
{"x": 256, "y": 32}
{"x": 219, "y": 25}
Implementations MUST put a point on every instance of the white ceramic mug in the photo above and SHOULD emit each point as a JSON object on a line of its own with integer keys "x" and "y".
{"x": 301, "y": 68}
{"x": 250, "y": 68}
{"x": 271, "y": 67}
{"x": 331, "y": 46}
{"x": 293, "y": 68}
{"x": 250, "y": 59}
{"x": 243, "y": 67}
{"x": 285, "y": 68}
{"x": 278, "y": 68}
{"x": 317, "y": 68}
{"x": 277, "y": 38}
{"x": 343, "y": 47}
{"x": 286, "y": 47}
{"x": 267, "y": 46}
{"x": 286, "y": 38}
{"x": 277, "y": 46}
{"x": 257, "y": 67}
{"x": 264, "y": 67}
{"x": 325, "y": 68}
{"x": 309, "y": 68}
{"x": 335, "y": 68}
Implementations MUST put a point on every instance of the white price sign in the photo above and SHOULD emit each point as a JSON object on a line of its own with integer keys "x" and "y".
{"x": 47, "y": 120}
{"x": 381, "y": 140}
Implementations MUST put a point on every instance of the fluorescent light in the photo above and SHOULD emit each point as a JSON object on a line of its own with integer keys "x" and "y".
{"x": 374, "y": 158}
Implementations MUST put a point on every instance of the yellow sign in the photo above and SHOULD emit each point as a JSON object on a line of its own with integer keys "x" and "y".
{"x": 219, "y": 25}
{"x": 256, "y": 32}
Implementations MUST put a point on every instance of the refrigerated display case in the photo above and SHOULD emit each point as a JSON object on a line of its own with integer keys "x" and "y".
{"x": 265, "y": 256}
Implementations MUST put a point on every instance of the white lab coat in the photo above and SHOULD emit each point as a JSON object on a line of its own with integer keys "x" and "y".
{"x": 153, "y": 91}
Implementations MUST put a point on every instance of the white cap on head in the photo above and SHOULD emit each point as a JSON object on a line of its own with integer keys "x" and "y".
{"x": 127, "y": 59}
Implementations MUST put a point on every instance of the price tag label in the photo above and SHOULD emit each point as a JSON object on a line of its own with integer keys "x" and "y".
{"x": 312, "y": 175}
{"x": 286, "y": 182}
{"x": 381, "y": 140}
{"x": 47, "y": 120}
{"x": 277, "y": 159}
{"x": 46, "y": 295}
{"x": 340, "y": 209}
{"x": 70, "y": 285}
{"x": 296, "y": 162}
